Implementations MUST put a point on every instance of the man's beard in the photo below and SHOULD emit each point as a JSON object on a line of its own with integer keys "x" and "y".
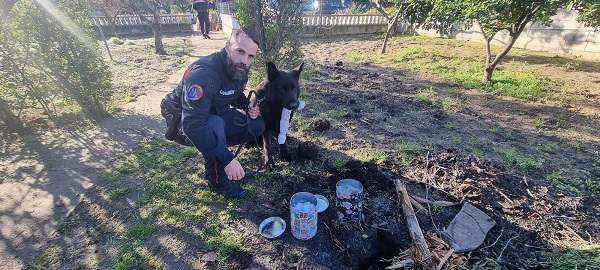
{"x": 234, "y": 72}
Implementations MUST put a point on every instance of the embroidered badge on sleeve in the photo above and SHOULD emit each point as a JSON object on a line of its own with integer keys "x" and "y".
{"x": 195, "y": 92}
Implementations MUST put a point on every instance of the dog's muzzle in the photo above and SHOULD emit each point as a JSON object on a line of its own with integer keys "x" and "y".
{"x": 293, "y": 105}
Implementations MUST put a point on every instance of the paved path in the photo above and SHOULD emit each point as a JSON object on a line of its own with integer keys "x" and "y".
{"x": 55, "y": 170}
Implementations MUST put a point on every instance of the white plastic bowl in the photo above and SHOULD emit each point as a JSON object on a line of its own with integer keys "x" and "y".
{"x": 272, "y": 227}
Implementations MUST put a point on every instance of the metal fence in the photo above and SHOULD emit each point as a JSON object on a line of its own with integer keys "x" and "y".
{"x": 225, "y": 8}
{"x": 135, "y": 20}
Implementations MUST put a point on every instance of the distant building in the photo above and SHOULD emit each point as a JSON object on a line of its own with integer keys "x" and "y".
{"x": 329, "y": 6}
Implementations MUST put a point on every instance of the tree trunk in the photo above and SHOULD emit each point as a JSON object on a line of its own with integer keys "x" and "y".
{"x": 5, "y": 6}
{"x": 513, "y": 33}
{"x": 391, "y": 30}
{"x": 111, "y": 20}
{"x": 155, "y": 25}
{"x": 8, "y": 117}
{"x": 158, "y": 44}
{"x": 263, "y": 31}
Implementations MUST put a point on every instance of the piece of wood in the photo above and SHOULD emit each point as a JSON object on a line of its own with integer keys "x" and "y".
{"x": 419, "y": 245}
{"x": 438, "y": 203}
{"x": 443, "y": 260}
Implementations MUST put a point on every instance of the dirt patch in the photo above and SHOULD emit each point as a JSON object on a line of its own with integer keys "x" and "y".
{"x": 46, "y": 169}
{"x": 359, "y": 111}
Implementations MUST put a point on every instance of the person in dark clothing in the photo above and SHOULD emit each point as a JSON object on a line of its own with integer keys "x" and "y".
{"x": 201, "y": 7}
{"x": 210, "y": 91}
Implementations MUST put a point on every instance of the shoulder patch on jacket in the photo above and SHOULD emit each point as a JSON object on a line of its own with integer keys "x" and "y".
{"x": 194, "y": 92}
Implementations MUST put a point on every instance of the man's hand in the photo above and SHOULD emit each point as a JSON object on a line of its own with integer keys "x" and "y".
{"x": 253, "y": 111}
{"x": 234, "y": 170}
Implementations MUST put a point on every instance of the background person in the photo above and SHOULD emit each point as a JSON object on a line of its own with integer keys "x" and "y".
{"x": 201, "y": 7}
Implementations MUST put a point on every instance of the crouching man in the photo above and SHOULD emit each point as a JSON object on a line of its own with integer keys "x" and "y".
{"x": 210, "y": 91}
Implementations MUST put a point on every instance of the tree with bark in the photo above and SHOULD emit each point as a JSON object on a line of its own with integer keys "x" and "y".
{"x": 141, "y": 7}
{"x": 491, "y": 17}
{"x": 409, "y": 12}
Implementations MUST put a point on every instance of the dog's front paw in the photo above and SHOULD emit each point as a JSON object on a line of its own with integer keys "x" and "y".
{"x": 287, "y": 157}
{"x": 269, "y": 165}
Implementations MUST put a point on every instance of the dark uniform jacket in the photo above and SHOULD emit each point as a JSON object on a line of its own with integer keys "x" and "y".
{"x": 207, "y": 89}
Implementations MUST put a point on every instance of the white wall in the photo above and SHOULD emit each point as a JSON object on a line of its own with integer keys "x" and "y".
{"x": 565, "y": 36}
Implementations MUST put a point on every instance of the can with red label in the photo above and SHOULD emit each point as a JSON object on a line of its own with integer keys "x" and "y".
{"x": 303, "y": 215}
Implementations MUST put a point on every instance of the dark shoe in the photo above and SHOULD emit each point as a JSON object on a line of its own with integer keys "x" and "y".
{"x": 206, "y": 36}
{"x": 227, "y": 188}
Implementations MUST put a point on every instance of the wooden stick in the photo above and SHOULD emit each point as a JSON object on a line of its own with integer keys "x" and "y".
{"x": 446, "y": 257}
{"x": 438, "y": 203}
{"x": 572, "y": 231}
{"x": 421, "y": 250}
{"x": 419, "y": 207}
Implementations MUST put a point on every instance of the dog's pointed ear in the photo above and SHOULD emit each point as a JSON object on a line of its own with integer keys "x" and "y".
{"x": 272, "y": 71}
{"x": 298, "y": 69}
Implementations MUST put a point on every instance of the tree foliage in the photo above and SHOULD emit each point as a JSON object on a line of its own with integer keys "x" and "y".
{"x": 589, "y": 12}
{"x": 49, "y": 56}
{"x": 279, "y": 24}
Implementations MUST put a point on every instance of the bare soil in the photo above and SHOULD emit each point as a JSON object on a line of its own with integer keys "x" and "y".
{"x": 460, "y": 164}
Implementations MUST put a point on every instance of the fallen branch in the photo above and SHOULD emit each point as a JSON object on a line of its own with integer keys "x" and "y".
{"x": 445, "y": 258}
{"x": 417, "y": 205}
{"x": 421, "y": 249}
{"x": 572, "y": 231}
{"x": 401, "y": 264}
{"x": 438, "y": 203}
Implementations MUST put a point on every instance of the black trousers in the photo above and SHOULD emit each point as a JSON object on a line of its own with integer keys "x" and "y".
{"x": 204, "y": 21}
{"x": 229, "y": 128}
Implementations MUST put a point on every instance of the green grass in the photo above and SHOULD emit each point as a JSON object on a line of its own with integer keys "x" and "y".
{"x": 140, "y": 231}
{"x": 550, "y": 148}
{"x": 449, "y": 125}
{"x": 558, "y": 180}
{"x": 173, "y": 196}
{"x": 524, "y": 164}
{"x": 426, "y": 95}
{"x": 337, "y": 162}
{"x": 223, "y": 241}
{"x": 584, "y": 257}
{"x": 406, "y": 152}
{"x": 132, "y": 256}
{"x": 372, "y": 155}
{"x": 469, "y": 72}
{"x": 356, "y": 56}
{"x": 116, "y": 40}
{"x": 338, "y": 114}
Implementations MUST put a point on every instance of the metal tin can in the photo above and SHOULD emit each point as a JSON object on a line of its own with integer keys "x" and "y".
{"x": 348, "y": 200}
{"x": 303, "y": 215}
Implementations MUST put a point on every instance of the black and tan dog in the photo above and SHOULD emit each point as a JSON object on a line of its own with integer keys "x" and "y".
{"x": 280, "y": 90}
